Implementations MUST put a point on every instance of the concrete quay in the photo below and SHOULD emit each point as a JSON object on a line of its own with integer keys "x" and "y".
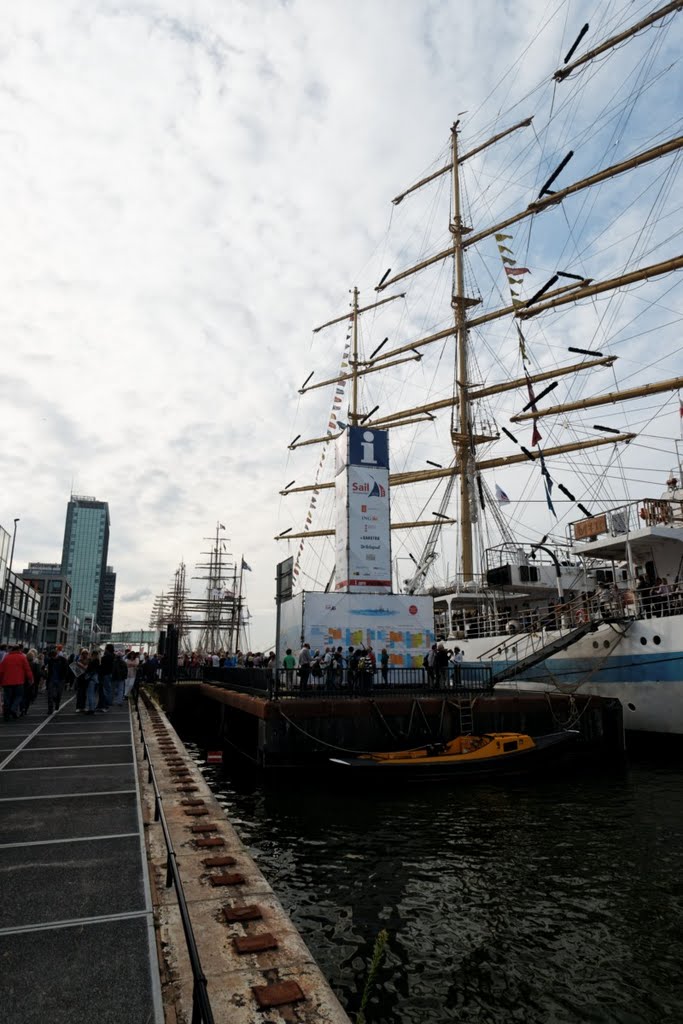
{"x": 256, "y": 964}
{"x": 88, "y": 929}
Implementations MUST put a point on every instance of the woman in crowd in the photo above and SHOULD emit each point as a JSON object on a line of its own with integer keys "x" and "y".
{"x": 78, "y": 669}
{"x": 92, "y": 682}
{"x": 133, "y": 662}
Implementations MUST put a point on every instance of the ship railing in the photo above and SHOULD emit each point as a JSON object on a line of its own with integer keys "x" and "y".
{"x": 627, "y": 518}
{"x": 560, "y": 620}
{"x": 465, "y": 678}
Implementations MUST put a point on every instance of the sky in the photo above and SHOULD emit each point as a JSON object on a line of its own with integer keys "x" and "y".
{"x": 189, "y": 187}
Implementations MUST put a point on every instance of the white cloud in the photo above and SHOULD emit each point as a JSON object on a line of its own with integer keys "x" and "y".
{"x": 188, "y": 189}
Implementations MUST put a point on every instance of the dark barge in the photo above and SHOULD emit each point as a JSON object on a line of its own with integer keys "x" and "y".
{"x": 289, "y": 728}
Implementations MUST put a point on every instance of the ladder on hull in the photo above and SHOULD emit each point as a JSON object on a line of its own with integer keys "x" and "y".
{"x": 542, "y": 653}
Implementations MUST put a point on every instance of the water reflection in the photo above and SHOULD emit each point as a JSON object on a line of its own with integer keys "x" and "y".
{"x": 557, "y": 901}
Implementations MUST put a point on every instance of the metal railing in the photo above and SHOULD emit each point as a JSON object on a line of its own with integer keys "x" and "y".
{"x": 464, "y": 678}
{"x": 201, "y": 1006}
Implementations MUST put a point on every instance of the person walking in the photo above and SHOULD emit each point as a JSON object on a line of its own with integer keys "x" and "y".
{"x": 384, "y": 666}
{"x": 31, "y": 689}
{"x": 78, "y": 669}
{"x": 92, "y": 683}
{"x": 119, "y": 676}
{"x": 15, "y": 671}
{"x": 57, "y": 671}
{"x": 107, "y": 678}
{"x": 304, "y": 665}
{"x": 440, "y": 666}
{"x": 289, "y": 664}
{"x": 133, "y": 663}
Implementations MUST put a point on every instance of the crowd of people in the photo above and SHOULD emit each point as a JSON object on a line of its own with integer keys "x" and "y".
{"x": 99, "y": 679}
{"x": 360, "y": 668}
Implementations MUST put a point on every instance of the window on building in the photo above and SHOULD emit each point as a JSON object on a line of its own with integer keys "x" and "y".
{"x": 53, "y": 604}
{"x": 54, "y": 586}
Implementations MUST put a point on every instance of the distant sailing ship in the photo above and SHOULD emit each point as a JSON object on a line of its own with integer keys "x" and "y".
{"x": 216, "y": 621}
{"x": 589, "y": 598}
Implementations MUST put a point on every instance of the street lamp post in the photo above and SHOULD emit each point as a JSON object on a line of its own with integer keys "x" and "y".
{"x": 6, "y": 587}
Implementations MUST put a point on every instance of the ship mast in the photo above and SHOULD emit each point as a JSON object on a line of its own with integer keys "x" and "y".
{"x": 461, "y": 440}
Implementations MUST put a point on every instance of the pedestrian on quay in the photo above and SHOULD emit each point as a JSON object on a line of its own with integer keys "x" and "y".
{"x": 93, "y": 683}
{"x": 457, "y": 660}
{"x": 339, "y": 664}
{"x": 289, "y": 664}
{"x": 119, "y": 673}
{"x": 440, "y": 666}
{"x": 15, "y": 672}
{"x": 429, "y": 665}
{"x": 384, "y": 666}
{"x": 107, "y": 678}
{"x": 31, "y": 689}
{"x": 133, "y": 663}
{"x": 304, "y": 665}
{"x": 78, "y": 669}
{"x": 56, "y": 674}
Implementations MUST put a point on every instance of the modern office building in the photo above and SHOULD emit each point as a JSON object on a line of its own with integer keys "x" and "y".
{"x": 55, "y": 607}
{"x": 20, "y": 611}
{"x": 19, "y": 602}
{"x": 105, "y": 615}
{"x": 84, "y": 555}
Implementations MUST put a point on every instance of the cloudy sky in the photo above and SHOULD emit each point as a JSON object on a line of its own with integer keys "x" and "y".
{"x": 189, "y": 187}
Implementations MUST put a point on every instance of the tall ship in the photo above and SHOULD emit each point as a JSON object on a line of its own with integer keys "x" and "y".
{"x": 523, "y": 352}
{"x": 217, "y": 619}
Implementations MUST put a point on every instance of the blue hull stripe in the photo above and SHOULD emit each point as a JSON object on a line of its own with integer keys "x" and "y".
{"x": 625, "y": 668}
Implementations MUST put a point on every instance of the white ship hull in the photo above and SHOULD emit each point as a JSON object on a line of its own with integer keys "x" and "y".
{"x": 643, "y": 668}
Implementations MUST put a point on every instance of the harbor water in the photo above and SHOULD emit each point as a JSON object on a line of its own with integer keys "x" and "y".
{"x": 553, "y": 900}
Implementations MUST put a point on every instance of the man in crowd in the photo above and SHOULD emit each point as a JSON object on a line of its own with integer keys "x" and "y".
{"x": 14, "y": 672}
{"x": 57, "y": 671}
{"x": 304, "y": 665}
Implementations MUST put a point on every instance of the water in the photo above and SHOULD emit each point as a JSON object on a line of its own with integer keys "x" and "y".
{"x": 552, "y": 901}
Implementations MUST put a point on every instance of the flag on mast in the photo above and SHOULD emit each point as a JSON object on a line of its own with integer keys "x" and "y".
{"x": 220, "y": 526}
{"x": 245, "y": 567}
{"x": 501, "y": 496}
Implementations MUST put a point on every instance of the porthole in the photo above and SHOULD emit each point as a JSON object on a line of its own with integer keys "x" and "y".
{"x": 595, "y": 643}
{"x": 631, "y": 707}
{"x": 643, "y": 640}
{"x": 605, "y": 643}
{"x": 656, "y": 640}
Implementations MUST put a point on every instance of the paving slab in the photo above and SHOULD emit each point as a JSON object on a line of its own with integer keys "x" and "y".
{"x": 66, "y": 780}
{"x": 54, "y": 757}
{"x": 62, "y": 881}
{"x": 80, "y": 975}
{"x": 67, "y": 817}
{"x": 46, "y": 739}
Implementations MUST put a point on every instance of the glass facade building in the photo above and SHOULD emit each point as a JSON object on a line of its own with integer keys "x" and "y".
{"x": 84, "y": 554}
